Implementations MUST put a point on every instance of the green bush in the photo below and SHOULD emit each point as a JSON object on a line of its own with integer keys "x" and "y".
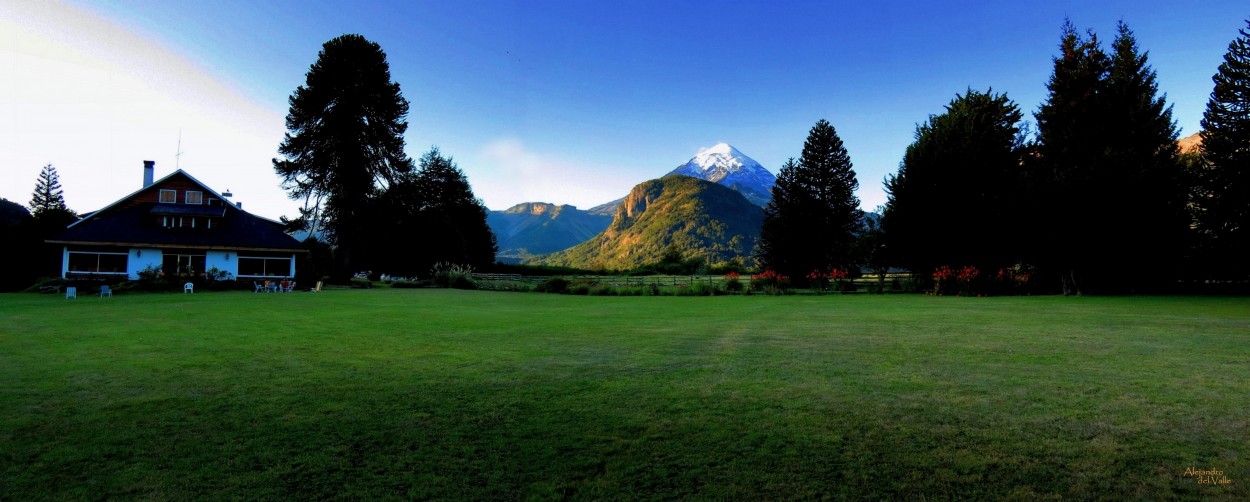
{"x": 450, "y": 275}
{"x": 553, "y": 285}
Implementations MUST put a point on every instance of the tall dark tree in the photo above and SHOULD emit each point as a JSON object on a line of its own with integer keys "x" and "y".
{"x": 1144, "y": 227}
{"x": 432, "y": 217}
{"x": 811, "y": 222}
{"x": 344, "y": 142}
{"x": 22, "y": 245}
{"x": 48, "y": 196}
{"x": 50, "y": 217}
{"x": 956, "y": 197}
{"x": 1107, "y": 144}
{"x": 1224, "y": 210}
{"x": 1070, "y": 123}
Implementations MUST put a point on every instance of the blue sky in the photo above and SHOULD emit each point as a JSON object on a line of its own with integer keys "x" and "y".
{"x": 566, "y": 102}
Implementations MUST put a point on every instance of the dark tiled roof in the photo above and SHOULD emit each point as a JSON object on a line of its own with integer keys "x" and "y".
{"x": 188, "y": 210}
{"x": 138, "y": 225}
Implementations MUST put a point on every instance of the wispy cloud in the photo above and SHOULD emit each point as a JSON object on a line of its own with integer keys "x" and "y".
{"x": 95, "y": 100}
{"x": 514, "y": 173}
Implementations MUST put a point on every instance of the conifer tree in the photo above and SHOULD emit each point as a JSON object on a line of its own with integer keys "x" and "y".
{"x": 811, "y": 222}
{"x": 1143, "y": 222}
{"x": 1070, "y": 123}
{"x": 955, "y": 198}
{"x": 1113, "y": 198}
{"x": 432, "y": 217}
{"x": 344, "y": 142}
{"x": 1224, "y": 210}
{"x": 48, "y": 196}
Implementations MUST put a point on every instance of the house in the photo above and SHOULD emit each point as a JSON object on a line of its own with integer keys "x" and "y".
{"x": 181, "y": 226}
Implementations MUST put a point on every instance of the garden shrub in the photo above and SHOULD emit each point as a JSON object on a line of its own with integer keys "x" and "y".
{"x": 450, "y": 275}
{"x": 553, "y": 285}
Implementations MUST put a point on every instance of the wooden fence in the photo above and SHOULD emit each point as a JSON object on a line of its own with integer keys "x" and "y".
{"x": 893, "y": 281}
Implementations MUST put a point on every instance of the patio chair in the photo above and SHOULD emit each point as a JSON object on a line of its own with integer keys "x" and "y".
{"x": 105, "y": 291}
{"x": 71, "y": 292}
{"x": 188, "y": 288}
{"x": 290, "y": 286}
{"x": 257, "y": 286}
{"x": 317, "y": 289}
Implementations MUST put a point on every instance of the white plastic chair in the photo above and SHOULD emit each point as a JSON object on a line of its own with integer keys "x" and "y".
{"x": 105, "y": 291}
{"x": 188, "y": 288}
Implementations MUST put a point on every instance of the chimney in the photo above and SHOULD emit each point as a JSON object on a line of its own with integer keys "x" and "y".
{"x": 148, "y": 167}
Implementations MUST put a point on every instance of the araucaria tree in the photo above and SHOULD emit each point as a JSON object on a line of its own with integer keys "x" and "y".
{"x": 1112, "y": 191}
{"x": 956, "y": 198}
{"x": 433, "y": 217}
{"x": 48, "y": 198}
{"x": 344, "y": 142}
{"x": 50, "y": 217}
{"x": 811, "y": 222}
{"x": 1223, "y": 213}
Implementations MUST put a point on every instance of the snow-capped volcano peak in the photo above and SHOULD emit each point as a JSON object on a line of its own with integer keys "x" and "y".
{"x": 727, "y": 166}
{"x": 720, "y": 155}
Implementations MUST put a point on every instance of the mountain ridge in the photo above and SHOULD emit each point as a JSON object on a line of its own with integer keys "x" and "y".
{"x": 535, "y": 228}
{"x": 696, "y": 217}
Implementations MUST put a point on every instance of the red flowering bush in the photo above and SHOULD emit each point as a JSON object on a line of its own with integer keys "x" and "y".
{"x": 732, "y": 283}
{"x": 840, "y": 279}
{"x": 961, "y": 281}
{"x": 770, "y": 281}
{"x": 1015, "y": 279}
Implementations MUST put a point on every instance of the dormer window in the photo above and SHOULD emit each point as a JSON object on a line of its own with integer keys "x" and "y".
{"x": 169, "y": 196}
{"x": 195, "y": 197}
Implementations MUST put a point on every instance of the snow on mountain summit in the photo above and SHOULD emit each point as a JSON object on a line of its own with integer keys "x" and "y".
{"x": 725, "y": 165}
{"x": 720, "y": 155}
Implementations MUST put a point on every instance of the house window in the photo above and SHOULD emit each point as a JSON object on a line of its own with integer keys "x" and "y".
{"x": 169, "y": 196}
{"x": 195, "y": 197}
{"x": 264, "y": 267}
{"x": 97, "y": 263}
{"x": 182, "y": 263}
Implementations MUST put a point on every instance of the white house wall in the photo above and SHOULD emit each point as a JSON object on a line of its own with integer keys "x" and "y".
{"x": 222, "y": 260}
{"x": 139, "y": 259}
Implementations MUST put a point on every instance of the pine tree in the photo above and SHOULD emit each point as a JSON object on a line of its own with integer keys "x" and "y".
{"x": 811, "y": 221}
{"x": 955, "y": 198}
{"x": 1143, "y": 225}
{"x": 344, "y": 141}
{"x": 459, "y": 218}
{"x": 1224, "y": 212}
{"x": 48, "y": 196}
{"x": 1069, "y": 125}
{"x": 435, "y": 208}
{"x": 50, "y": 216}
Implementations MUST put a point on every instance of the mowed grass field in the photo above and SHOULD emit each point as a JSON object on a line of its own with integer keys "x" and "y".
{"x": 438, "y": 394}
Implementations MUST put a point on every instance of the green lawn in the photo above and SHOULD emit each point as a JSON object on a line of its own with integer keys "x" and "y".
{"x": 436, "y": 394}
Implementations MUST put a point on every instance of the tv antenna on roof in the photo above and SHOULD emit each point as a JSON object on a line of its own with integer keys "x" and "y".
{"x": 178, "y": 154}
